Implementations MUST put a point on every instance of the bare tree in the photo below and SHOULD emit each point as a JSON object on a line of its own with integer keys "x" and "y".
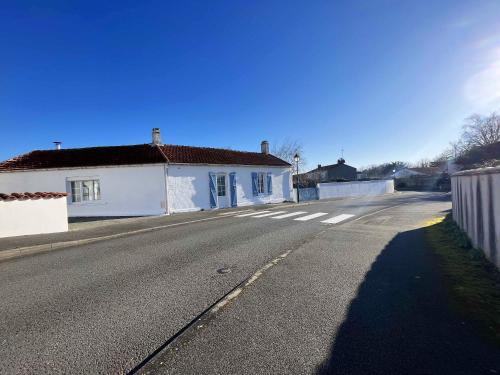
{"x": 481, "y": 131}
{"x": 287, "y": 149}
{"x": 383, "y": 170}
{"x": 422, "y": 163}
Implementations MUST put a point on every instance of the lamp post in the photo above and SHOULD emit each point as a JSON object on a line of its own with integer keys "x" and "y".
{"x": 297, "y": 159}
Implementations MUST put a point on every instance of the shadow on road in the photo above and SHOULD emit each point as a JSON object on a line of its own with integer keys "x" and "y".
{"x": 401, "y": 323}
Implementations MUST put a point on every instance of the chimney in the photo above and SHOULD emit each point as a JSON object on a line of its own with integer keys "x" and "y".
{"x": 58, "y": 145}
{"x": 319, "y": 166}
{"x": 264, "y": 147}
{"x": 156, "y": 136}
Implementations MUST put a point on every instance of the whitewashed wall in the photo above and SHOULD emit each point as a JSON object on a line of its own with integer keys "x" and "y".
{"x": 476, "y": 208}
{"x": 188, "y": 185}
{"x": 355, "y": 188}
{"x": 33, "y": 216}
{"x": 125, "y": 191}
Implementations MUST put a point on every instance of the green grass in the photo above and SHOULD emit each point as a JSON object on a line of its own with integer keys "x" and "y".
{"x": 474, "y": 282}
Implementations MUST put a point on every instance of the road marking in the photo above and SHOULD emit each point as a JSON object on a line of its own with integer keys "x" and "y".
{"x": 270, "y": 214}
{"x": 252, "y": 213}
{"x": 312, "y": 216}
{"x": 289, "y": 215}
{"x": 236, "y": 292}
{"x": 234, "y": 212}
{"x": 337, "y": 219}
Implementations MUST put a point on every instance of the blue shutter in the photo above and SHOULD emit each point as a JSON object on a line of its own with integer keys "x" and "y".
{"x": 269, "y": 183}
{"x": 255, "y": 184}
{"x": 232, "y": 188}
{"x": 212, "y": 181}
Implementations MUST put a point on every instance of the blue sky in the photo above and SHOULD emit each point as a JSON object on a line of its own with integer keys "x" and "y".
{"x": 382, "y": 79}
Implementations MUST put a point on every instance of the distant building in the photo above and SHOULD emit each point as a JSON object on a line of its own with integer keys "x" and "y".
{"x": 328, "y": 173}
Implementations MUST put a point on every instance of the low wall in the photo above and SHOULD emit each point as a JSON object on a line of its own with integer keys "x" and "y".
{"x": 476, "y": 208}
{"x": 355, "y": 188}
{"x": 305, "y": 194}
{"x": 23, "y": 214}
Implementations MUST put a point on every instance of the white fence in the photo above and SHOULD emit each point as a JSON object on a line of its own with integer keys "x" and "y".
{"x": 476, "y": 208}
{"x": 355, "y": 188}
{"x": 22, "y": 214}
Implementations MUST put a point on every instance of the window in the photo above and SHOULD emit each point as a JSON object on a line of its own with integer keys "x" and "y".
{"x": 221, "y": 185}
{"x": 85, "y": 190}
{"x": 261, "y": 183}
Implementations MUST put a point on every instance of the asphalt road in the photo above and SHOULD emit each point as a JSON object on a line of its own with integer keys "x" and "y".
{"x": 350, "y": 297}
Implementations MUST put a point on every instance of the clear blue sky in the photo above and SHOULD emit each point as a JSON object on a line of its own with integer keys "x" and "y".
{"x": 384, "y": 80}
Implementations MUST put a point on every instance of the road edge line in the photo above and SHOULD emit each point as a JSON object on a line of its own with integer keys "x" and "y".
{"x": 36, "y": 249}
{"x": 208, "y": 313}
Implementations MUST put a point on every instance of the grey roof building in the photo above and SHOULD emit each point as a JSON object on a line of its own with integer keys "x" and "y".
{"x": 329, "y": 173}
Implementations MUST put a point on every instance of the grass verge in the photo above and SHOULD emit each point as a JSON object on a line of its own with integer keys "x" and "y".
{"x": 474, "y": 282}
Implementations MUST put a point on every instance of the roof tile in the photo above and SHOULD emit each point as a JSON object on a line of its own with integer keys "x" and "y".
{"x": 25, "y": 196}
{"x": 135, "y": 154}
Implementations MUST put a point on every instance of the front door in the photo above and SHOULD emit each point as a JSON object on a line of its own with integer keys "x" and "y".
{"x": 222, "y": 196}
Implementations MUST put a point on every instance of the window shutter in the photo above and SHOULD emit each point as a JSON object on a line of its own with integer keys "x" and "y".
{"x": 68, "y": 190}
{"x": 232, "y": 188}
{"x": 255, "y": 184}
{"x": 269, "y": 183}
{"x": 212, "y": 181}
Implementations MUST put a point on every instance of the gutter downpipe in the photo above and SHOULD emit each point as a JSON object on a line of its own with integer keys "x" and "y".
{"x": 165, "y": 177}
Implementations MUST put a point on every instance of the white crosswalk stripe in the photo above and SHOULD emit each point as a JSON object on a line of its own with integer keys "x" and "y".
{"x": 270, "y": 214}
{"x": 252, "y": 213}
{"x": 312, "y": 216}
{"x": 337, "y": 219}
{"x": 233, "y": 212}
{"x": 289, "y": 215}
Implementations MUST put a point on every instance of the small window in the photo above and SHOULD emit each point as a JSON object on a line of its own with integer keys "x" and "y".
{"x": 85, "y": 190}
{"x": 221, "y": 185}
{"x": 261, "y": 183}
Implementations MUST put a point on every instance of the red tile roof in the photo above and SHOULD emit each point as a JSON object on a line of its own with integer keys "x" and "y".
{"x": 25, "y": 196}
{"x": 135, "y": 154}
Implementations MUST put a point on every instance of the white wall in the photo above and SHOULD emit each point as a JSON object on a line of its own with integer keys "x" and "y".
{"x": 188, "y": 185}
{"x": 355, "y": 189}
{"x": 125, "y": 191}
{"x": 33, "y": 216}
{"x": 476, "y": 208}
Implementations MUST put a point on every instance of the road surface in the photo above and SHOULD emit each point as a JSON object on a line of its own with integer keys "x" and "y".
{"x": 351, "y": 290}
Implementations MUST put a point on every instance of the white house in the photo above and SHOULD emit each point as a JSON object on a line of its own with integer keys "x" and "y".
{"x": 150, "y": 179}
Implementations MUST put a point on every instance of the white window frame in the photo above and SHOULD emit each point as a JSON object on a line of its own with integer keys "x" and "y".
{"x": 77, "y": 190}
{"x": 261, "y": 178}
{"x": 224, "y": 186}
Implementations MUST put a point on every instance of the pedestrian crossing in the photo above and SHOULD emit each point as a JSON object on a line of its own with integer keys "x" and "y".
{"x": 289, "y": 215}
{"x": 300, "y": 216}
{"x": 337, "y": 219}
{"x": 312, "y": 216}
{"x": 270, "y": 214}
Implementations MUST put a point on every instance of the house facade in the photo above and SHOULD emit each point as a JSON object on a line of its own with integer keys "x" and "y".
{"x": 328, "y": 173}
{"x": 150, "y": 179}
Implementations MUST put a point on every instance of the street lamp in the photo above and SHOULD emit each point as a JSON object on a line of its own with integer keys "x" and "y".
{"x": 297, "y": 159}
